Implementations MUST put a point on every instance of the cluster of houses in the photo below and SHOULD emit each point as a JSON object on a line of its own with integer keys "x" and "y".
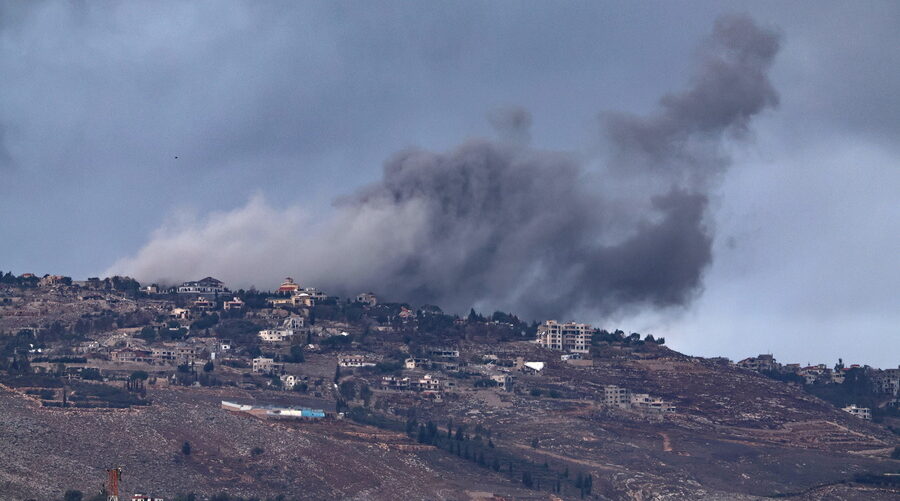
{"x": 884, "y": 382}
{"x": 191, "y": 350}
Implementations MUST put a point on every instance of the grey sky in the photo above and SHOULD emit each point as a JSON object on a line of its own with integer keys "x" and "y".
{"x": 301, "y": 103}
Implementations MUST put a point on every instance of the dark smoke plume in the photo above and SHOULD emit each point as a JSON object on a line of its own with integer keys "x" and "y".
{"x": 504, "y": 226}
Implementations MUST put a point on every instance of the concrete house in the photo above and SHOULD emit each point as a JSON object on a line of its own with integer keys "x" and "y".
{"x": 234, "y": 304}
{"x": 860, "y": 412}
{"x": 367, "y": 298}
{"x": 263, "y": 365}
{"x": 275, "y": 335}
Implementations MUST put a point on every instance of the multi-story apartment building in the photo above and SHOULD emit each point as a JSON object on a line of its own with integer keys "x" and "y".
{"x": 615, "y": 396}
{"x": 570, "y": 336}
{"x": 175, "y": 353}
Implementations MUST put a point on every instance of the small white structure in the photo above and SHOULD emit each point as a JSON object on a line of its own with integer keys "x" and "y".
{"x": 534, "y": 366}
{"x": 180, "y": 314}
{"x": 234, "y": 304}
{"x": 144, "y": 497}
{"x": 414, "y": 363}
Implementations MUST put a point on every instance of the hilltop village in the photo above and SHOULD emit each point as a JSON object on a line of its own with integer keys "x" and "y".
{"x": 481, "y": 387}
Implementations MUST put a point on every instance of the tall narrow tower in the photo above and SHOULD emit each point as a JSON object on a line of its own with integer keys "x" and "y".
{"x": 112, "y": 483}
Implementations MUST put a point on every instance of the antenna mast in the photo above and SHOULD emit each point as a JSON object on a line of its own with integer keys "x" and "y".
{"x": 112, "y": 483}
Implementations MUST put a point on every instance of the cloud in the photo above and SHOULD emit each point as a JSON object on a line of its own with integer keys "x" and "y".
{"x": 502, "y": 225}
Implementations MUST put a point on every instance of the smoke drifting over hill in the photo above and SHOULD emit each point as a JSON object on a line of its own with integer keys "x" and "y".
{"x": 501, "y": 225}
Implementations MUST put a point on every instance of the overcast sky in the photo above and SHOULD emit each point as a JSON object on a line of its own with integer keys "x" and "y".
{"x": 291, "y": 105}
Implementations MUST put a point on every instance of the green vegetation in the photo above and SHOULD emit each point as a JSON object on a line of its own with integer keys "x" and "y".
{"x": 479, "y": 448}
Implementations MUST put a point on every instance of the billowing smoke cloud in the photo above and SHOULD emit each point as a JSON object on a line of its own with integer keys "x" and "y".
{"x": 500, "y": 225}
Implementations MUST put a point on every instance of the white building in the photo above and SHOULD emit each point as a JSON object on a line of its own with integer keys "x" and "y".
{"x": 355, "y": 361}
{"x": 293, "y": 322}
{"x": 572, "y": 337}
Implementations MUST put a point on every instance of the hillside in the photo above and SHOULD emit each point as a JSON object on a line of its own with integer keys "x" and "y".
{"x": 419, "y": 405}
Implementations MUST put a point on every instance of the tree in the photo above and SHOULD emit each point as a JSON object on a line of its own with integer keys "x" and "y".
{"x": 296, "y": 355}
{"x": 347, "y": 390}
{"x": 365, "y": 393}
{"x": 73, "y": 495}
{"x": 526, "y": 479}
{"x": 208, "y": 366}
{"x": 186, "y": 448}
{"x": 148, "y": 334}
